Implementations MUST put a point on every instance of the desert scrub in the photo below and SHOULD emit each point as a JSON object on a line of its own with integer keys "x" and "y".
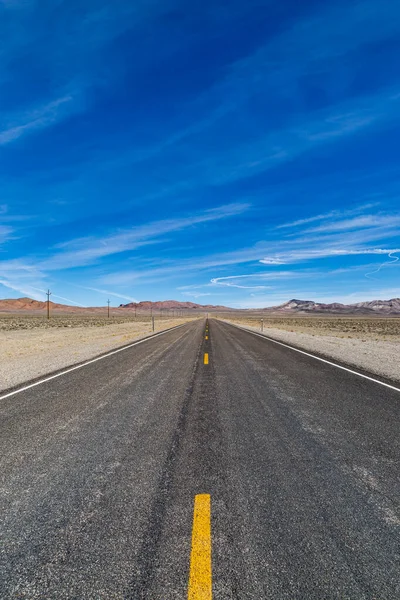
{"x": 13, "y": 323}
{"x": 372, "y": 327}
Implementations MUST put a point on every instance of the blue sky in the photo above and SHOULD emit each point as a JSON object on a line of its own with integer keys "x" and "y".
{"x": 237, "y": 153}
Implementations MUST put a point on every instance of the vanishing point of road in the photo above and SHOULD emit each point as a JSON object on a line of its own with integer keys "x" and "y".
{"x": 204, "y": 462}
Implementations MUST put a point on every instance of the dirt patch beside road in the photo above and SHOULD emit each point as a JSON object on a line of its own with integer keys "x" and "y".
{"x": 371, "y": 344}
{"x": 35, "y": 351}
{"x": 375, "y": 328}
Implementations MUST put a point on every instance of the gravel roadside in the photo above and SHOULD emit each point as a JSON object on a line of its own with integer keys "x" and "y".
{"x": 27, "y": 354}
{"x": 375, "y": 356}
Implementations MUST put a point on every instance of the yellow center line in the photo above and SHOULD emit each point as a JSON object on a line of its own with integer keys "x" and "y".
{"x": 205, "y": 358}
{"x": 200, "y": 578}
{"x": 206, "y": 337}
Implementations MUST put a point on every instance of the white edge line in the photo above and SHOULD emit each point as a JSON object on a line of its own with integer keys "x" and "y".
{"x": 328, "y": 362}
{"x": 88, "y": 362}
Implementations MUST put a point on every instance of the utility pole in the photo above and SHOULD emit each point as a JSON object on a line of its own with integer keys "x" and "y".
{"x": 108, "y": 309}
{"x": 152, "y": 323}
{"x": 262, "y": 324}
{"x": 48, "y": 294}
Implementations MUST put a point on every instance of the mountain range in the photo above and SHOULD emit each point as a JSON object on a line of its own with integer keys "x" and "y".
{"x": 27, "y": 305}
{"x": 381, "y": 307}
{"x": 171, "y": 304}
{"x": 373, "y": 307}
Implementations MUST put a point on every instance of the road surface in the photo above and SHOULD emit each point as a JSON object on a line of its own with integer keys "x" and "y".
{"x": 296, "y": 460}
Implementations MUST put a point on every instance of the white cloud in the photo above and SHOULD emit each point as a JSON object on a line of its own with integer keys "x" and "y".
{"x": 311, "y": 254}
{"x": 361, "y": 222}
{"x": 231, "y": 280}
{"x": 108, "y": 293}
{"x": 25, "y": 274}
{"x": 394, "y": 260}
{"x": 36, "y": 119}
{"x": 196, "y": 294}
{"x": 5, "y": 233}
{"x": 53, "y": 295}
{"x": 84, "y": 251}
{"x": 333, "y": 214}
{"x": 268, "y": 260}
{"x": 27, "y": 290}
{"x": 21, "y": 277}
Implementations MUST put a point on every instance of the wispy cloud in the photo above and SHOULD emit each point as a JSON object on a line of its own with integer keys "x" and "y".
{"x": 33, "y": 292}
{"x": 108, "y": 293}
{"x": 338, "y": 234}
{"x": 271, "y": 147}
{"x": 333, "y": 214}
{"x": 37, "y": 119}
{"x": 5, "y": 233}
{"x": 85, "y": 251}
{"x": 307, "y": 50}
{"x": 306, "y": 47}
{"x": 250, "y": 121}
{"x": 394, "y": 259}
{"x": 71, "y": 54}
{"x": 361, "y": 222}
{"x": 304, "y": 248}
{"x": 312, "y": 254}
{"x": 232, "y": 281}
{"x": 21, "y": 277}
{"x": 53, "y": 295}
{"x": 27, "y": 290}
{"x": 196, "y": 294}
{"x": 236, "y": 281}
{"x": 25, "y": 275}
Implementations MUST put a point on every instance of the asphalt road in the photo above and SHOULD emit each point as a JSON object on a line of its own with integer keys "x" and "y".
{"x": 100, "y": 468}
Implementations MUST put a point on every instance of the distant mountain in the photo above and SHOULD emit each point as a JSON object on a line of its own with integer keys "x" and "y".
{"x": 27, "y": 305}
{"x": 171, "y": 304}
{"x": 379, "y": 307}
{"x": 374, "y": 307}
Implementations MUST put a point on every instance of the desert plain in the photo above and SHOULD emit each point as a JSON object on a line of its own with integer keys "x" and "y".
{"x": 32, "y": 345}
{"x": 368, "y": 343}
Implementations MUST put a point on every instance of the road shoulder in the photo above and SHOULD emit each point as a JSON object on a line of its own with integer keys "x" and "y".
{"x": 379, "y": 358}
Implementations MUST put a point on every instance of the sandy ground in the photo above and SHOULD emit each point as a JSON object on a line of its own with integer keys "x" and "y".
{"x": 377, "y": 356}
{"x": 27, "y": 354}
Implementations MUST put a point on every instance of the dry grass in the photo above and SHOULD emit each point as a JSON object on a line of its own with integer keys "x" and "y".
{"x": 31, "y": 346}
{"x": 350, "y": 327}
{"x": 12, "y": 322}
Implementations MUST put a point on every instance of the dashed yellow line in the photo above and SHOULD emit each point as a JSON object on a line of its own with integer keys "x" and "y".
{"x": 200, "y": 578}
{"x": 206, "y": 358}
{"x": 206, "y": 337}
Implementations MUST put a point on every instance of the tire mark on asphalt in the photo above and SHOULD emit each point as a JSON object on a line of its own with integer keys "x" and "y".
{"x": 144, "y": 572}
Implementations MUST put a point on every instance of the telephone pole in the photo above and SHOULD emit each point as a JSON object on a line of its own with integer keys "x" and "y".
{"x": 48, "y": 294}
{"x": 108, "y": 308}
